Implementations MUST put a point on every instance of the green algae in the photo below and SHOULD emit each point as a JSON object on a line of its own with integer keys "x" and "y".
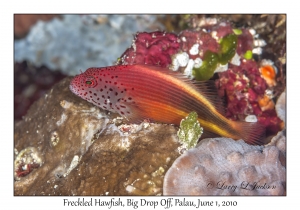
{"x": 237, "y": 31}
{"x": 228, "y": 48}
{"x": 228, "y": 45}
{"x": 248, "y": 55}
{"x": 207, "y": 69}
{"x": 190, "y": 130}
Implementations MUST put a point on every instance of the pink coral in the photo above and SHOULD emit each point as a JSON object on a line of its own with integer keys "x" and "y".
{"x": 223, "y": 29}
{"x": 271, "y": 121}
{"x": 245, "y": 42}
{"x": 154, "y": 48}
{"x": 243, "y": 87}
{"x": 203, "y": 39}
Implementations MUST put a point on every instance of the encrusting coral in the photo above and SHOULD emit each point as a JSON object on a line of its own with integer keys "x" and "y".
{"x": 245, "y": 91}
{"x": 222, "y": 166}
{"x": 154, "y": 48}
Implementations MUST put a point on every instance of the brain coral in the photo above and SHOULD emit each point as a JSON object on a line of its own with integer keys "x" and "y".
{"x": 222, "y": 166}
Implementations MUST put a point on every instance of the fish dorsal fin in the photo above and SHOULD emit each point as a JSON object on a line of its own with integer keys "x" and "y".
{"x": 209, "y": 91}
{"x": 206, "y": 88}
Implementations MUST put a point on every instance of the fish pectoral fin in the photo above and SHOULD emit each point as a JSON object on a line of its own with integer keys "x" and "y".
{"x": 133, "y": 113}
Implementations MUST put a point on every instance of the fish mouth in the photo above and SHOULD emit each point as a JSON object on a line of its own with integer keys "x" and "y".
{"x": 72, "y": 85}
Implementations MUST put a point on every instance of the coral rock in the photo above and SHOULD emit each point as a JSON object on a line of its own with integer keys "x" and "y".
{"x": 222, "y": 166}
{"x": 99, "y": 40}
{"x": 280, "y": 142}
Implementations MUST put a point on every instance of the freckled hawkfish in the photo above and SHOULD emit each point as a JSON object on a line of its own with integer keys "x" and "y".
{"x": 139, "y": 92}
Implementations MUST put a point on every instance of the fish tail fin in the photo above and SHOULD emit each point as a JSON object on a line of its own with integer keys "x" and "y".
{"x": 251, "y": 133}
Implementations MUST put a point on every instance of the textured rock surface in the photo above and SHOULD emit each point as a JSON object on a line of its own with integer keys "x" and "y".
{"x": 124, "y": 165}
{"x": 280, "y": 142}
{"x": 74, "y": 148}
{"x": 222, "y": 166}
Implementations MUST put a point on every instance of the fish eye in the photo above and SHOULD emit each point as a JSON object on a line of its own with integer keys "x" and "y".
{"x": 90, "y": 81}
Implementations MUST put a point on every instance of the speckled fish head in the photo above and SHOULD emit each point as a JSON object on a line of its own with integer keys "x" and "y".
{"x": 101, "y": 87}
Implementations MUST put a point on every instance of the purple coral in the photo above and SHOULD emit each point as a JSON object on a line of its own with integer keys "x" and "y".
{"x": 154, "y": 48}
{"x": 244, "y": 87}
{"x": 245, "y": 42}
{"x": 271, "y": 121}
{"x": 203, "y": 40}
